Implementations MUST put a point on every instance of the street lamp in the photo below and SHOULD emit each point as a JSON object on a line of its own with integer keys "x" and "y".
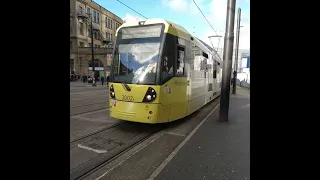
{"x": 80, "y": 17}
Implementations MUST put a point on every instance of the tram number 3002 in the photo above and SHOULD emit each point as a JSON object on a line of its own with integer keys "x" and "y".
{"x": 127, "y": 98}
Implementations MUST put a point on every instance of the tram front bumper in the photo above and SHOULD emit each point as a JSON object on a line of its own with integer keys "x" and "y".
{"x": 139, "y": 112}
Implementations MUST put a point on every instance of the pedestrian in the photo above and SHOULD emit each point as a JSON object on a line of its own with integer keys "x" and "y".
{"x": 108, "y": 79}
{"x": 71, "y": 79}
{"x": 84, "y": 79}
{"x": 102, "y": 80}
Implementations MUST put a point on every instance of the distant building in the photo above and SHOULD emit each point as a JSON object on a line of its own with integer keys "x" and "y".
{"x": 105, "y": 25}
{"x": 242, "y": 54}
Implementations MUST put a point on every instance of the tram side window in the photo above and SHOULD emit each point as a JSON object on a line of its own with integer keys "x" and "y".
{"x": 167, "y": 63}
{"x": 180, "y": 61}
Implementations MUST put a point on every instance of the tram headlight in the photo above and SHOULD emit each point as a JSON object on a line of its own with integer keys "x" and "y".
{"x": 112, "y": 93}
{"x": 150, "y": 96}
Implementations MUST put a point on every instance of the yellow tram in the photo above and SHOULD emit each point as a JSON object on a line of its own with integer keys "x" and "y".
{"x": 160, "y": 73}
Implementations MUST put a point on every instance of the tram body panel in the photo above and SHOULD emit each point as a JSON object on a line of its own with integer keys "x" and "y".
{"x": 174, "y": 93}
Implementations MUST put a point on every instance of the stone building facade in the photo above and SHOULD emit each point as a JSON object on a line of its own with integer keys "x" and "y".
{"x": 104, "y": 24}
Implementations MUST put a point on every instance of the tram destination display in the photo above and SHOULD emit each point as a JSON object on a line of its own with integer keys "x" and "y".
{"x": 141, "y": 32}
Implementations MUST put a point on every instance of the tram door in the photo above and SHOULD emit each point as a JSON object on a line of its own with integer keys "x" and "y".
{"x": 180, "y": 100}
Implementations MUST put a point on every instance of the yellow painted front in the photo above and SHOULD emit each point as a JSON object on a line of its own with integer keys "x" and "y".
{"x": 137, "y": 91}
{"x": 177, "y": 97}
{"x": 170, "y": 104}
{"x": 139, "y": 112}
{"x": 136, "y": 110}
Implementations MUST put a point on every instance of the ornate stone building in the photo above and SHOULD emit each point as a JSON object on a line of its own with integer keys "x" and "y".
{"x": 104, "y": 24}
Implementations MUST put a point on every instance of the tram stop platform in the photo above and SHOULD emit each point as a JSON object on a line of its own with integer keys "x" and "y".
{"x": 216, "y": 150}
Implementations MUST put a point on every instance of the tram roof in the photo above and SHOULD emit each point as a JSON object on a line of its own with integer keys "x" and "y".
{"x": 172, "y": 28}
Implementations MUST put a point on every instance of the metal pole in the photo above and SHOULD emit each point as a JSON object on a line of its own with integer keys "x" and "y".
{"x": 227, "y": 62}
{"x": 234, "y": 89}
{"x": 79, "y": 62}
{"x": 92, "y": 54}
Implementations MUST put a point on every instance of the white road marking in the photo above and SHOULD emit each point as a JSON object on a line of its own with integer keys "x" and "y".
{"x": 245, "y": 106}
{"x": 176, "y": 134}
{"x": 91, "y": 149}
{"x": 127, "y": 157}
{"x": 168, "y": 159}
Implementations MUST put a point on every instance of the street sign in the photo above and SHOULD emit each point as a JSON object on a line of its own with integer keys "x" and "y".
{"x": 248, "y": 62}
{"x": 109, "y": 57}
{"x": 96, "y": 68}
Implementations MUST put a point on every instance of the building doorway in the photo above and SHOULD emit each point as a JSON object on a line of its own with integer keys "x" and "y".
{"x": 98, "y": 66}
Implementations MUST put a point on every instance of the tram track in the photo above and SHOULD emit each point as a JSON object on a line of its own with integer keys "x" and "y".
{"x": 89, "y": 112}
{"x": 116, "y": 139}
{"x": 88, "y": 92}
{"x": 102, "y": 102}
{"x": 131, "y": 158}
{"x": 85, "y": 96}
{"x": 88, "y": 108}
{"x": 121, "y": 152}
{"x": 96, "y": 132}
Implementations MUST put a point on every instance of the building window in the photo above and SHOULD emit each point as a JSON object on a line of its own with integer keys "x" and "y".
{"x": 117, "y": 25}
{"x": 89, "y": 45}
{"x": 88, "y": 11}
{"x": 110, "y": 23}
{"x": 72, "y": 66}
{"x": 81, "y": 44}
{"x": 70, "y": 26}
{"x": 98, "y": 45}
{"x": 95, "y": 45}
{"x": 71, "y": 45}
{"x": 89, "y": 32}
{"x": 106, "y": 22}
{"x": 111, "y": 37}
{"x": 107, "y": 36}
{"x": 96, "y": 35}
{"x": 81, "y": 28}
{"x": 80, "y": 10}
{"x": 98, "y": 18}
{"x": 94, "y": 16}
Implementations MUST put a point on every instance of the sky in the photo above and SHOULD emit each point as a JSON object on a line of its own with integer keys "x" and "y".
{"x": 186, "y": 14}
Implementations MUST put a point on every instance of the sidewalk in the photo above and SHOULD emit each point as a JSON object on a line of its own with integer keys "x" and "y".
{"x": 216, "y": 150}
{"x": 81, "y": 84}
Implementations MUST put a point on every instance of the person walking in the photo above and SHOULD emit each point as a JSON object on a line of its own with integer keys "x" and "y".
{"x": 102, "y": 80}
{"x": 108, "y": 79}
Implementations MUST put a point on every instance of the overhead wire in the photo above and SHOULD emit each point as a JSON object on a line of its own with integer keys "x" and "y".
{"x": 132, "y": 9}
{"x": 205, "y": 17}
